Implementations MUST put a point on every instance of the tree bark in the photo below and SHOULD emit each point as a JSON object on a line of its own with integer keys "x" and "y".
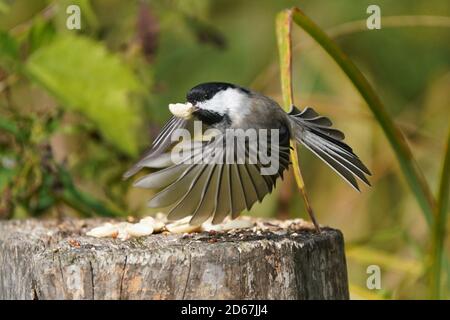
{"x": 55, "y": 260}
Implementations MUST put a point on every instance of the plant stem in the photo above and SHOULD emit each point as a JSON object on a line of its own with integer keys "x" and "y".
{"x": 439, "y": 226}
{"x": 411, "y": 171}
{"x": 283, "y": 27}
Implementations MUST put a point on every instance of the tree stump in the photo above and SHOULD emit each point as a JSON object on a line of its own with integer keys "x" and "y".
{"x": 56, "y": 260}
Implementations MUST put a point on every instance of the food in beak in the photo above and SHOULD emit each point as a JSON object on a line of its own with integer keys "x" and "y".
{"x": 182, "y": 110}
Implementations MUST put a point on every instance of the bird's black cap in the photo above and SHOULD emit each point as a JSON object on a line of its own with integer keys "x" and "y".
{"x": 206, "y": 91}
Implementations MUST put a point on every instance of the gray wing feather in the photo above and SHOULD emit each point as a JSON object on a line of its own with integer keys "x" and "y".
{"x": 171, "y": 194}
{"x": 310, "y": 118}
{"x": 238, "y": 199}
{"x": 315, "y": 133}
{"x": 189, "y": 200}
{"x": 206, "y": 207}
{"x": 262, "y": 187}
{"x": 321, "y": 121}
{"x": 223, "y": 196}
{"x": 161, "y": 178}
{"x": 318, "y": 150}
{"x": 161, "y": 143}
{"x": 212, "y": 189}
{"x": 251, "y": 193}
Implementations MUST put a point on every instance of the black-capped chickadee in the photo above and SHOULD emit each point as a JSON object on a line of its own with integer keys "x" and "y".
{"x": 226, "y": 185}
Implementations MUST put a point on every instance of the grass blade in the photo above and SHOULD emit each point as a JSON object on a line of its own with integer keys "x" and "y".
{"x": 411, "y": 171}
{"x": 440, "y": 222}
{"x": 283, "y": 27}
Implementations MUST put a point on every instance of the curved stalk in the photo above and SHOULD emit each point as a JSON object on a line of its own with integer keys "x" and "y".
{"x": 408, "y": 165}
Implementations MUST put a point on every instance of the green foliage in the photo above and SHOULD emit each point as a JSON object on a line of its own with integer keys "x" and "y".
{"x": 411, "y": 171}
{"x": 9, "y": 51}
{"x": 71, "y": 103}
{"x": 440, "y": 226}
{"x": 41, "y": 33}
{"x": 4, "y": 7}
{"x": 85, "y": 77}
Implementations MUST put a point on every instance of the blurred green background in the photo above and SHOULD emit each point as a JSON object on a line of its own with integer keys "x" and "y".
{"x": 77, "y": 107}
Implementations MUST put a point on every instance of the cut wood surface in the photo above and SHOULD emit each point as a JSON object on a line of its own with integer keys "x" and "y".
{"x": 56, "y": 260}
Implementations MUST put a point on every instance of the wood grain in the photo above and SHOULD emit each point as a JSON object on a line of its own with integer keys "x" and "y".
{"x": 55, "y": 260}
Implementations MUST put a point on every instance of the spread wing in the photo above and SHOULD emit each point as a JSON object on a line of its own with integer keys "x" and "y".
{"x": 316, "y": 134}
{"x": 162, "y": 142}
{"x": 213, "y": 187}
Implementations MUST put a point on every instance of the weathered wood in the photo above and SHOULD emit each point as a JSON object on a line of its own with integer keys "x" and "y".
{"x": 51, "y": 260}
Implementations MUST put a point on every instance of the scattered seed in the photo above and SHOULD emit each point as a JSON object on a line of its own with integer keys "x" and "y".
{"x": 106, "y": 230}
{"x": 155, "y": 224}
{"x": 139, "y": 230}
{"x": 208, "y": 226}
{"x": 237, "y": 224}
{"x": 182, "y": 228}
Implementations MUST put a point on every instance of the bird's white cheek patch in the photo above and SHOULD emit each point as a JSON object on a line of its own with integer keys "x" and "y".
{"x": 181, "y": 110}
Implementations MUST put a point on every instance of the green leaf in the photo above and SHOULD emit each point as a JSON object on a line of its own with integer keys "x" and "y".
{"x": 9, "y": 51}
{"x": 40, "y": 34}
{"x": 9, "y": 126}
{"x": 85, "y": 77}
{"x": 7, "y": 174}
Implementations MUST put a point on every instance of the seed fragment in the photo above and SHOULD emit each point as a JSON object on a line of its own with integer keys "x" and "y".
{"x": 139, "y": 230}
{"x": 182, "y": 228}
{"x": 181, "y": 110}
{"x": 106, "y": 230}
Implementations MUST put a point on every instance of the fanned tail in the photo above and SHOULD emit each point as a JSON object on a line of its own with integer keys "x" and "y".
{"x": 315, "y": 133}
